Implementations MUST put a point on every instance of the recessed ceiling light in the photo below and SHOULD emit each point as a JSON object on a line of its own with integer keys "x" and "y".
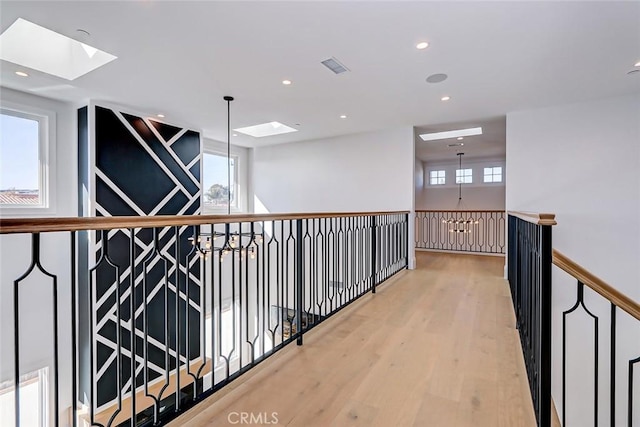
{"x": 445, "y": 98}
{"x": 437, "y": 78}
{"x": 32, "y": 46}
{"x": 343, "y": 116}
{"x": 161, "y": 116}
{"x": 422, "y": 45}
{"x": 450, "y": 134}
{"x": 22, "y": 74}
{"x": 637, "y": 64}
{"x": 235, "y": 134}
{"x": 286, "y": 82}
{"x": 460, "y": 138}
{"x": 266, "y": 129}
{"x": 457, "y": 144}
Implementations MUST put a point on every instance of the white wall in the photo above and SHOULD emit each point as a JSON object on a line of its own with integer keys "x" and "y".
{"x": 478, "y": 195}
{"x": 354, "y": 173}
{"x": 35, "y": 306}
{"x": 419, "y": 193}
{"x": 363, "y": 172}
{"x": 582, "y": 162}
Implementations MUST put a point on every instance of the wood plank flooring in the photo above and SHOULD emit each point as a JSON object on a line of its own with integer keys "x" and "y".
{"x": 435, "y": 346}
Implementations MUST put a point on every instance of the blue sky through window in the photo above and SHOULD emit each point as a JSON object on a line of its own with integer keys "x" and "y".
{"x": 19, "y": 159}
{"x": 214, "y": 170}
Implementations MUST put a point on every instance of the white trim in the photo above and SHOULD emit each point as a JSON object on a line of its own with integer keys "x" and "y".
{"x": 153, "y": 155}
{"x": 492, "y": 174}
{"x": 477, "y": 164}
{"x": 240, "y": 155}
{"x": 46, "y": 156}
{"x": 437, "y": 177}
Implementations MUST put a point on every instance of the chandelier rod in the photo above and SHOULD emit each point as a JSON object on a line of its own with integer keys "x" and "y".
{"x": 461, "y": 177}
{"x": 228, "y": 99}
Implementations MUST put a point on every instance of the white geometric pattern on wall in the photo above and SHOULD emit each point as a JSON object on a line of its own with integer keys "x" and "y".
{"x": 143, "y": 167}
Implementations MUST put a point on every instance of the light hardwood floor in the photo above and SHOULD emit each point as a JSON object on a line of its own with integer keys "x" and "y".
{"x": 435, "y": 346}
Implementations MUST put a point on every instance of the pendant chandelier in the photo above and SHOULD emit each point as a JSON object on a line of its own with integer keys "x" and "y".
{"x": 457, "y": 223}
{"x": 242, "y": 244}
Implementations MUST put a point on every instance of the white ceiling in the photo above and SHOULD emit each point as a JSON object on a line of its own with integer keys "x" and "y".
{"x": 491, "y": 144}
{"x": 180, "y": 58}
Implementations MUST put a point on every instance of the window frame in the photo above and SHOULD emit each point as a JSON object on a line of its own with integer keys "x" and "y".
{"x": 39, "y": 377}
{"x": 239, "y": 200}
{"x": 437, "y": 177}
{"x": 461, "y": 174}
{"x": 492, "y": 174}
{"x": 46, "y": 160}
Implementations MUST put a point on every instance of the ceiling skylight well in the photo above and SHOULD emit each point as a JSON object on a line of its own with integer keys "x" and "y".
{"x": 30, "y": 45}
{"x": 450, "y": 134}
{"x": 266, "y": 129}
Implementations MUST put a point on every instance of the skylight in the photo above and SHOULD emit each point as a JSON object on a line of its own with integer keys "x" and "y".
{"x": 450, "y": 134}
{"x": 266, "y": 129}
{"x": 30, "y": 45}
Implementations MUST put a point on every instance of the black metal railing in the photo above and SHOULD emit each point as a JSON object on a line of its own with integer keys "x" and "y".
{"x": 530, "y": 257}
{"x": 620, "y": 307}
{"x": 168, "y": 310}
{"x": 529, "y": 274}
{"x": 464, "y": 231}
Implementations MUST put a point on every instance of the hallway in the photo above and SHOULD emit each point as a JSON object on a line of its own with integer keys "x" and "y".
{"x": 435, "y": 346}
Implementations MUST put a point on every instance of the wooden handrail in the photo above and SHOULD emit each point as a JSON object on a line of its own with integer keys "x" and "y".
{"x": 536, "y": 218}
{"x": 597, "y": 284}
{"x": 464, "y": 210}
{"x": 38, "y": 225}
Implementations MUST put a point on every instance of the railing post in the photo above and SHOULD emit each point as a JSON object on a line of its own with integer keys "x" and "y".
{"x": 545, "y": 326}
{"x": 299, "y": 279}
{"x": 373, "y": 254}
{"x": 407, "y": 246}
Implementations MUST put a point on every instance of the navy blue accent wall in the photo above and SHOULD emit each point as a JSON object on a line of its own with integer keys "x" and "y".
{"x": 137, "y": 166}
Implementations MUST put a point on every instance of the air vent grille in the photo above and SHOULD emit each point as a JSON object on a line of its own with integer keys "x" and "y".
{"x": 334, "y": 65}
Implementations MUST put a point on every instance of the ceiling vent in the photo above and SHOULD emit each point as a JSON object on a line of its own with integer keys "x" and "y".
{"x": 334, "y": 65}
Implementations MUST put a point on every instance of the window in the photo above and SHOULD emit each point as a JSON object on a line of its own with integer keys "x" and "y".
{"x": 23, "y": 159}
{"x": 34, "y": 399}
{"x": 436, "y": 177}
{"x": 215, "y": 187}
{"x": 464, "y": 176}
{"x": 493, "y": 174}
{"x": 27, "y": 160}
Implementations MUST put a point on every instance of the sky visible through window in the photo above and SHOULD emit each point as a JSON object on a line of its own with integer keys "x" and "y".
{"x": 214, "y": 171}
{"x": 19, "y": 158}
